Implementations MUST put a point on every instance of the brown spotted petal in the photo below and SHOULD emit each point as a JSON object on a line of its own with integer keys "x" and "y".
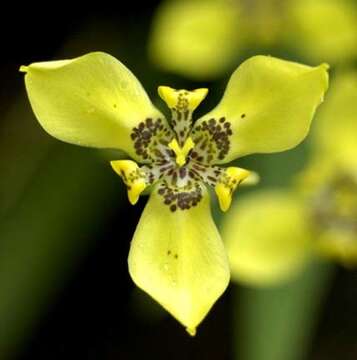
{"x": 180, "y": 198}
{"x": 212, "y": 138}
{"x": 150, "y": 139}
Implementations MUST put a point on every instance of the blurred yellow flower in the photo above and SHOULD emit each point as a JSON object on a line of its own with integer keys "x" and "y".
{"x": 205, "y": 38}
{"x": 195, "y": 38}
{"x": 176, "y": 254}
{"x": 317, "y": 216}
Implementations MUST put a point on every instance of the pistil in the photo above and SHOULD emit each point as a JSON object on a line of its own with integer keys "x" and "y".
{"x": 181, "y": 152}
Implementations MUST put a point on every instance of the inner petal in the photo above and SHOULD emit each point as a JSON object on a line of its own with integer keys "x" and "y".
{"x": 224, "y": 180}
{"x": 182, "y": 103}
{"x": 136, "y": 178}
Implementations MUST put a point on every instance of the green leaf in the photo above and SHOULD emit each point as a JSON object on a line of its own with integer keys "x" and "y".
{"x": 278, "y": 323}
{"x": 47, "y": 232}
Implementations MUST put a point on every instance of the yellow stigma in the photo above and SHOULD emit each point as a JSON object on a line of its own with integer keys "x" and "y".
{"x": 173, "y": 97}
{"x": 181, "y": 152}
{"x": 133, "y": 177}
{"x": 226, "y": 185}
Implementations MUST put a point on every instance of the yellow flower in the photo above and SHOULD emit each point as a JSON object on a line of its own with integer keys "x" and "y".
{"x": 317, "y": 216}
{"x": 205, "y": 38}
{"x": 176, "y": 255}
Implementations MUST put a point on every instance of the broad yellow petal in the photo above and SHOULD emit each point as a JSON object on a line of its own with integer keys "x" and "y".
{"x": 267, "y": 238}
{"x": 92, "y": 100}
{"x": 177, "y": 256}
{"x": 267, "y": 107}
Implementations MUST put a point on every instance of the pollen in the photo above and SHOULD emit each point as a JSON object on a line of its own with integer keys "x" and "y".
{"x": 181, "y": 152}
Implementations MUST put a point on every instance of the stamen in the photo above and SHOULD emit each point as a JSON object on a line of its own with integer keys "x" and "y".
{"x": 181, "y": 152}
{"x": 227, "y": 183}
{"x": 133, "y": 177}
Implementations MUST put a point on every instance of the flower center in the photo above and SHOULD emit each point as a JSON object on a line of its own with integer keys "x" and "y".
{"x": 181, "y": 152}
{"x": 179, "y": 158}
{"x": 335, "y": 205}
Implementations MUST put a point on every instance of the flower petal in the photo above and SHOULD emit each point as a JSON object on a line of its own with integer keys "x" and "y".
{"x": 188, "y": 38}
{"x": 135, "y": 178}
{"x": 177, "y": 257}
{"x": 323, "y": 30}
{"x": 334, "y": 136}
{"x": 92, "y": 100}
{"x": 267, "y": 238}
{"x": 338, "y": 245}
{"x": 267, "y": 107}
{"x": 227, "y": 184}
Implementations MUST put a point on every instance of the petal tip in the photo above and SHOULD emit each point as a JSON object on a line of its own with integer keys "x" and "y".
{"x": 135, "y": 190}
{"x": 135, "y": 181}
{"x": 191, "y": 331}
{"x": 23, "y": 68}
{"x": 253, "y": 178}
{"x": 224, "y": 196}
{"x": 166, "y": 94}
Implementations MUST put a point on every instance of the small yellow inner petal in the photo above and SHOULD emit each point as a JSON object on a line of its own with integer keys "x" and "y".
{"x": 181, "y": 152}
{"x": 135, "y": 190}
{"x": 226, "y": 185}
{"x": 133, "y": 177}
{"x": 174, "y": 98}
